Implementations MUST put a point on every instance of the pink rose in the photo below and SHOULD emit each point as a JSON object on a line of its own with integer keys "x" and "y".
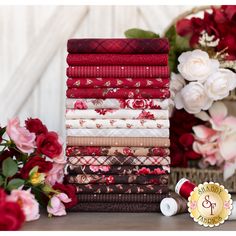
{"x": 105, "y": 168}
{"x": 146, "y": 115}
{"x": 127, "y": 151}
{"x": 56, "y": 174}
{"x": 55, "y": 205}
{"x": 24, "y": 140}
{"x": 79, "y": 104}
{"x": 27, "y": 202}
{"x": 94, "y": 168}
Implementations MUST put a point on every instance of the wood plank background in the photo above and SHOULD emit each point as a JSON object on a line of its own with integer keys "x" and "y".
{"x": 33, "y": 51}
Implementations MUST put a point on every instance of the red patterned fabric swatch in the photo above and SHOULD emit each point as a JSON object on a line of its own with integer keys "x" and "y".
{"x": 116, "y": 151}
{"x": 118, "y": 83}
{"x": 130, "y": 46}
{"x": 117, "y": 59}
{"x": 118, "y": 71}
{"x": 117, "y": 93}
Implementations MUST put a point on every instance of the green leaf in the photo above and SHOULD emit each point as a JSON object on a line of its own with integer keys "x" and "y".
{"x": 2, "y": 131}
{"x": 139, "y": 33}
{"x": 1, "y": 180}
{"x": 9, "y": 167}
{"x": 15, "y": 184}
{"x": 178, "y": 45}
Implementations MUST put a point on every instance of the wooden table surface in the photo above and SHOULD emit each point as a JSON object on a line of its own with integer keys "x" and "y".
{"x": 120, "y": 221}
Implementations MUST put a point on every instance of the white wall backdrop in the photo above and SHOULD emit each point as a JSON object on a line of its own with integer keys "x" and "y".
{"x": 33, "y": 51}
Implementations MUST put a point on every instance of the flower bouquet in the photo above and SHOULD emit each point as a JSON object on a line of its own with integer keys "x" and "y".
{"x": 31, "y": 174}
{"x": 202, "y": 60}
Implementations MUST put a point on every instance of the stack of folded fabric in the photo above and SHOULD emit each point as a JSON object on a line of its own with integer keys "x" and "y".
{"x": 117, "y": 123}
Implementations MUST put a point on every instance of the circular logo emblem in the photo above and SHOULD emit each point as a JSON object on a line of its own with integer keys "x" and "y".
{"x": 210, "y": 204}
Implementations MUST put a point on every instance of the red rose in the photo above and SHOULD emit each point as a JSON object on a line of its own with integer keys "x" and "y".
{"x": 139, "y": 104}
{"x": 146, "y": 115}
{"x": 44, "y": 166}
{"x": 143, "y": 171}
{"x": 12, "y": 216}
{"x": 94, "y": 151}
{"x": 36, "y": 126}
{"x": 127, "y": 151}
{"x": 70, "y": 191}
{"x": 186, "y": 140}
{"x": 49, "y": 145}
{"x": 110, "y": 180}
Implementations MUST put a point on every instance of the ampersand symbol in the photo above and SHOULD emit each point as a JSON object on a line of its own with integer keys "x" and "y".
{"x": 208, "y": 204}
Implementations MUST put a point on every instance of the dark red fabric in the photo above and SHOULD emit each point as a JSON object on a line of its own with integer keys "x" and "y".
{"x": 118, "y": 83}
{"x": 157, "y": 45}
{"x": 118, "y": 71}
{"x": 117, "y": 59}
{"x": 117, "y": 93}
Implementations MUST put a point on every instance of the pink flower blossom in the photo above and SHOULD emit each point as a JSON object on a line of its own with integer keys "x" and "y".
{"x": 56, "y": 207}
{"x": 79, "y": 104}
{"x": 24, "y": 140}
{"x": 27, "y": 202}
{"x": 105, "y": 168}
{"x": 56, "y": 174}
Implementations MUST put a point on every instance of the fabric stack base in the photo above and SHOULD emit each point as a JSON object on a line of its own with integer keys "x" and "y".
{"x": 117, "y": 124}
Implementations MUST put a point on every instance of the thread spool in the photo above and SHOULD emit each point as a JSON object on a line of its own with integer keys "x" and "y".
{"x": 184, "y": 188}
{"x": 173, "y": 205}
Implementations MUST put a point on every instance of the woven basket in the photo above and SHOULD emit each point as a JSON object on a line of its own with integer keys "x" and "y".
{"x": 199, "y": 176}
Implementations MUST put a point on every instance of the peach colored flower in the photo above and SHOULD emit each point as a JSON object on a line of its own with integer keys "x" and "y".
{"x": 27, "y": 202}
{"x": 24, "y": 140}
{"x": 56, "y": 207}
{"x": 56, "y": 174}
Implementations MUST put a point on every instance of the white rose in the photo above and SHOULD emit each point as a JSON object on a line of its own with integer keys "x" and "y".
{"x": 177, "y": 82}
{"x": 193, "y": 98}
{"x": 220, "y": 83}
{"x": 196, "y": 65}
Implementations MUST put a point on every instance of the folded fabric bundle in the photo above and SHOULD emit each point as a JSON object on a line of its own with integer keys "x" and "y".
{"x": 122, "y": 188}
{"x": 119, "y": 170}
{"x": 118, "y": 141}
{"x": 117, "y": 114}
{"x": 110, "y": 103}
{"x": 117, "y": 160}
{"x": 163, "y": 133}
{"x": 138, "y": 198}
{"x": 117, "y": 83}
{"x": 116, "y": 45}
{"x": 115, "y": 207}
{"x": 118, "y": 179}
{"x": 117, "y": 59}
{"x": 118, "y": 71}
{"x": 117, "y": 93}
{"x": 117, "y": 124}
{"x": 117, "y": 151}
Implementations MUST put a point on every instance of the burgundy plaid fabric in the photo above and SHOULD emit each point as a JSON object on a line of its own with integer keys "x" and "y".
{"x": 117, "y": 160}
{"x": 117, "y": 59}
{"x": 129, "y": 46}
{"x": 118, "y": 71}
{"x": 118, "y": 83}
{"x": 122, "y": 188}
{"x": 146, "y": 198}
{"x": 118, "y": 179}
{"x": 118, "y": 93}
{"x": 118, "y": 170}
{"x": 115, "y": 207}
